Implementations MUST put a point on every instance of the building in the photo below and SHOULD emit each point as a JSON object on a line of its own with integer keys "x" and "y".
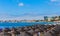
{"x": 49, "y": 19}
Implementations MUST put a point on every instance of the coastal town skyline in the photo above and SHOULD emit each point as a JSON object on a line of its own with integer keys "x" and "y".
{"x": 28, "y": 9}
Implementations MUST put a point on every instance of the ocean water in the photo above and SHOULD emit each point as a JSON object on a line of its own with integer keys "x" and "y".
{"x": 21, "y": 24}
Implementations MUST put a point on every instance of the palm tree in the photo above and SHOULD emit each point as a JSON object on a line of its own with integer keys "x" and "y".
{"x": 59, "y": 17}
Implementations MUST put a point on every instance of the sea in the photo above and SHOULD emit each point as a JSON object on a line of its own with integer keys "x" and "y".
{"x": 21, "y": 24}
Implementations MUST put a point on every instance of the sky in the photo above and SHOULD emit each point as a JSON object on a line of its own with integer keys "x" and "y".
{"x": 28, "y": 9}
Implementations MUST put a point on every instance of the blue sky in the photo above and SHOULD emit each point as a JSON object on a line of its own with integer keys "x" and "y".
{"x": 28, "y": 9}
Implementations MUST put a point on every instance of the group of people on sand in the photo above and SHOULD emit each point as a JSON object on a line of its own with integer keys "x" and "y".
{"x": 35, "y": 30}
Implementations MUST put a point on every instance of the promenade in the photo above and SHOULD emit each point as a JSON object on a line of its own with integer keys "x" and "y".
{"x": 36, "y": 30}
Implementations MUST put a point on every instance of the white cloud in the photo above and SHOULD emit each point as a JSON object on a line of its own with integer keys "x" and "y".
{"x": 53, "y": 0}
{"x": 29, "y": 17}
{"x": 20, "y": 4}
{"x": 52, "y": 15}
